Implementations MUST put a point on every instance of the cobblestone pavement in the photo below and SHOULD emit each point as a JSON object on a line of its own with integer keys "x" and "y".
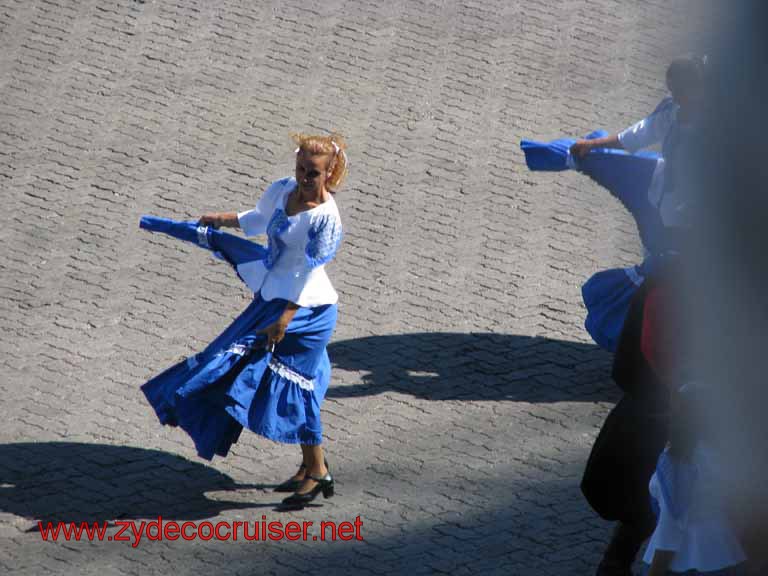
{"x": 466, "y": 394}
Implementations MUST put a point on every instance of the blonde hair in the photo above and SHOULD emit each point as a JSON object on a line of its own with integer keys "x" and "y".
{"x": 333, "y": 146}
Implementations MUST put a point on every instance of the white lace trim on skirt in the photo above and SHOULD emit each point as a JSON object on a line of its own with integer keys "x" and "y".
{"x": 282, "y": 370}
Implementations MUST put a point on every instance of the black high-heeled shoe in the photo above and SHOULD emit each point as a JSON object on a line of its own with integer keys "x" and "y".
{"x": 292, "y": 485}
{"x": 324, "y": 485}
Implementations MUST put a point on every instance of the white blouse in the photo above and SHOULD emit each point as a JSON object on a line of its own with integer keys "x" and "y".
{"x": 652, "y": 129}
{"x": 698, "y": 533}
{"x": 299, "y": 247}
{"x": 672, "y": 203}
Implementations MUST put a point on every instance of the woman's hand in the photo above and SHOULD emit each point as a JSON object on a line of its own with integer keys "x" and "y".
{"x": 581, "y": 148}
{"x": 217, "y": 219}
{"x": 209, "y": 220}
{"x": 276, "y": 331}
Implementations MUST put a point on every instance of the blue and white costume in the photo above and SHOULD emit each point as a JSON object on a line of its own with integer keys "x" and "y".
{"x": 692, "y": 520}
{"x": 667, "y": 192}
{"x": 648, "y": 186}
{"x": 235, "y": 382}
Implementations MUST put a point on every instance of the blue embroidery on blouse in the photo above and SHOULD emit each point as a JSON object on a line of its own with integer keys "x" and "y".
{"x": 277, "y": 225}
{"x": 324, "y": 239}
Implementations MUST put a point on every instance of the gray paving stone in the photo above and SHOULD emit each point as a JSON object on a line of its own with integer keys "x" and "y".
{"x": 466, "y": 393}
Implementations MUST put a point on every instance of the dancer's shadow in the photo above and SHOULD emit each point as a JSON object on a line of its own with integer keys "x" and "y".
{"x": 74, "y": 482}
{"x": 474, "y": 366}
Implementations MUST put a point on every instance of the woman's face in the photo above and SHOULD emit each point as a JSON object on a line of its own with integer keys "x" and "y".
{"x": 311, "y": 173}
{"x": 687, "y": 93}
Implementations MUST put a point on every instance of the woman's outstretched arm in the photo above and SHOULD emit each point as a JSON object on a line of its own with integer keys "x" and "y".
{"x": 582, "y": 147}
{"x": 220, "y": 219}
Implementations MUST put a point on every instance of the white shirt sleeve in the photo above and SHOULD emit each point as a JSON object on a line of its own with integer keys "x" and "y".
{"x": 254, "y": 222}
{"x": 324, "y": 238}
{"x": 650, "y": 130}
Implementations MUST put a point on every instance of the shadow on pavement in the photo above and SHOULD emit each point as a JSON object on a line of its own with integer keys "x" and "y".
{"x": 474, "y": 366}
{"x": 67, "y": 481}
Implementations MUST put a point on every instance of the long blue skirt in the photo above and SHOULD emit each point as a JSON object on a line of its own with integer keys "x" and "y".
{"x": 235, "y": 382}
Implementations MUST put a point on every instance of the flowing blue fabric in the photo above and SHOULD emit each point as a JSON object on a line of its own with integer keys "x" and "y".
{"x": 235, "y": 382}
{"x": 607, "y": 295}
{"x": 230, "y": 247}
{"x": 627, "y": 177}
{"x": 232, "y": 384}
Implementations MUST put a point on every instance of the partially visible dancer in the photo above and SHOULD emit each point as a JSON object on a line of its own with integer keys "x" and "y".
{"x": 269, "y": 370}
{"x": 673, "y": 124}
{"x": 624, "y": 455}
{"x": 652, "y": 187}
{"x": 693, "y": 535}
